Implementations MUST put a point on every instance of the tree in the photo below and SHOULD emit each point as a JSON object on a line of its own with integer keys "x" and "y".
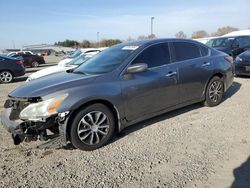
{"x": 224, "y": 30}
{"x": 142, "y": 37}
{"x": 109, "y": 42}
{"x": 85, "y": 44}
{"x": 67, "y": 43}
{"x": 152, "y": 36}
{"x": 180, "y": 34}
{"x": 199, "y": 34}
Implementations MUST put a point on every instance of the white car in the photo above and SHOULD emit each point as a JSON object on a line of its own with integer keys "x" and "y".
{"x": 75, "y": 55}
{"x": 55, "y": 69}
{"x": 20, "y": 52}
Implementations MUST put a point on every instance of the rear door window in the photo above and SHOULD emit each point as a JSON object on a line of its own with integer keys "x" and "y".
{"x": 185, "y": 51}
{"x": 204, "y": 51}
{"x": 154, "y": 56}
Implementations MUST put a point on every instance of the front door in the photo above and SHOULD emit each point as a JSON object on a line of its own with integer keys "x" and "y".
{"x": 153, "y": 90}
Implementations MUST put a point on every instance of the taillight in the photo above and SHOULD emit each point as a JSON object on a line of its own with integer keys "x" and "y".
{"x": 229, "y": 59}
{"x": 19, "y": 62}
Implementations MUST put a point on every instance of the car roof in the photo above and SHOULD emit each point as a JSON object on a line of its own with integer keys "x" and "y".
{"x": 155, "y": 41}
{"x": 226, "y": 37}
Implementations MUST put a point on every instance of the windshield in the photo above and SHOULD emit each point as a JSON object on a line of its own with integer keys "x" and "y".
{"x": 107, "y": 61}
{"x": 80, "y": 59}
{"x": 220, "y": 42}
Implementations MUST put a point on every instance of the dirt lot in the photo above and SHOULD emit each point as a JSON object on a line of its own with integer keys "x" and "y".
{"x": 195, "y": 146}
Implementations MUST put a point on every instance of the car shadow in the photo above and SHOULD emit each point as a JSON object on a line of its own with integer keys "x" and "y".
{"x": 231, "y": 91}
{"x": 242, "y": 175}
{"x": 156, "y": 119}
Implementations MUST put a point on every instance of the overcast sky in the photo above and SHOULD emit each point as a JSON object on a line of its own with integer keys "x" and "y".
{"x": 47, "y": 21}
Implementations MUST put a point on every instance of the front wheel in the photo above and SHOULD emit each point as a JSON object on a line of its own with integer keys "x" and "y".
{"x": 6, "y": 77}
{"x": 214, "y": 92}
{"x": 92, "y": 127}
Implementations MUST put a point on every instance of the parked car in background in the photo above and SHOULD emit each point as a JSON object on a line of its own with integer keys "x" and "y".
{"x": 69, "y": 56}
{"x": 62, "y": 68}
{"x": 120, "y": 86}
{"x": 30, "y": 60}
{"x": 231, "y": 45}
{"x": 18, "y": 52}
{"x": 242, "y": 64}
{"x": 66, "y": 61}
{"x": 60, "y": 53}
{"x": 9, "y": 68}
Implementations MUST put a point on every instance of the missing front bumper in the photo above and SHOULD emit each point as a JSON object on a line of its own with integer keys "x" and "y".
{"x": 31, "y": 131}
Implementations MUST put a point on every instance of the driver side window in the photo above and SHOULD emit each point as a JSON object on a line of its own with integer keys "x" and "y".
{"x": 154, "y": 56}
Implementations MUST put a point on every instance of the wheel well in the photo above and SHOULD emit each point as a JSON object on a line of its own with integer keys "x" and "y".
{"x": 104, "y": 102}
{"x": 8, "y": 71}
{"x": 220, "y": 75}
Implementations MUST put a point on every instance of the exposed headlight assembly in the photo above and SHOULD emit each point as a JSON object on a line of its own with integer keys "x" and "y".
{"x": 42, "y": 110}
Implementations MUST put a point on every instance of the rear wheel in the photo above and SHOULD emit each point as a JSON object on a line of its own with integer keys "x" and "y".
{"x": 92, "y": 127}
{"x": 35, "y": 64}
{"x": 6, "y": 77}
{"x": 214, "y": 91}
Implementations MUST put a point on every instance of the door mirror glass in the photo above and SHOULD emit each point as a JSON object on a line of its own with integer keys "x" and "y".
{"x": 136, "y": 68}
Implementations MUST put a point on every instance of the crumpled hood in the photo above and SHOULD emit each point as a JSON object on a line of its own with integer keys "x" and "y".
{"x": 52, "y": 83}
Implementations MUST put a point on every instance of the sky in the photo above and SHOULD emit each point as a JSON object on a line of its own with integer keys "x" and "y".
{"x": 28, "y": 22}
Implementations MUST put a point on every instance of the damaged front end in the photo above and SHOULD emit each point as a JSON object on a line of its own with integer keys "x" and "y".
{"x": 30, "y": 119}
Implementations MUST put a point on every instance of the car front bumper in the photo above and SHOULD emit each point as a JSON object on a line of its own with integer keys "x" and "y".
{"x": 14, "y": 127}
{"x": 19, "y": 131}
{"x": 242, "y": 69}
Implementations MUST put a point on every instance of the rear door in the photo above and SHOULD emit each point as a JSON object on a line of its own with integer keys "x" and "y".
{"x": 194, "y": 69}
{"x": 153, "y": 90}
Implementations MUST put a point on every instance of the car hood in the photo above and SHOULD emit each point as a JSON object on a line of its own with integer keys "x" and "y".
{"x": 245, "y": 55}
{"x": 64, "y": 61}
{"x": 50, "y": 70}
{"x": 52, "y": 84}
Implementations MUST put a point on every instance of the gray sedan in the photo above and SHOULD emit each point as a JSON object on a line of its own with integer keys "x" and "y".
{"x": 120, "y": 86}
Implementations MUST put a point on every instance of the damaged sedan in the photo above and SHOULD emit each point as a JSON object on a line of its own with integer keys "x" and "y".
{"x": 118, "y": 87}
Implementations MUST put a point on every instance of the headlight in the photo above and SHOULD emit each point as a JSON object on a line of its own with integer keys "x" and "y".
{"x": 238, "y": 59}
{"x": 41, "y": 110}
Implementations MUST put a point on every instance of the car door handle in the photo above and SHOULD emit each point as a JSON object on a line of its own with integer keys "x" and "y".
{"x": 206, "y": 64}
{"x": 170, "y": 74}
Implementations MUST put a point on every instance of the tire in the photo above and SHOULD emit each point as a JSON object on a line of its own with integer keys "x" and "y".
{"x": 214, "y": 92}
{"x": 35, "y": 64}
{"x": 88, "y": 135}
{"x": 6, "y": 77}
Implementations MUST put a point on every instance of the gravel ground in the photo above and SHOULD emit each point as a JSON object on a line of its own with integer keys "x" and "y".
{"x": 195, "y": 146}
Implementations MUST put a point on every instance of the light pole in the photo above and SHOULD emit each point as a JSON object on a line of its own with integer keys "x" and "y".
{"x": 97, "y": 36}
{"x": 152, "y": 22}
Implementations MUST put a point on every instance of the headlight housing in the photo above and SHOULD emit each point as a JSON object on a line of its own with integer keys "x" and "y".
{"x": 42, "y": 110}
{"x": 238, "y": 59}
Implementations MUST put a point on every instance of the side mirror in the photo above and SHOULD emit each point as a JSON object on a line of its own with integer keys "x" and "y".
{"x": 136, "y": 68}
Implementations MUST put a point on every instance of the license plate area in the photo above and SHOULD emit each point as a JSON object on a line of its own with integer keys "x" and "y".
{"x": 247, "y": 68}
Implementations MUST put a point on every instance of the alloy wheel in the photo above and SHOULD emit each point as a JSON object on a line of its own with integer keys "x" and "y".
{"x": 93, "y": 127}
{"x": 215, "y": 91}
{"x": 6, "y": 77}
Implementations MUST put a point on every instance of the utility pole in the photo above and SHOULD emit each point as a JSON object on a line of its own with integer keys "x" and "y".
{"x": 152, "y": 22}
{"x": 98, "y": 40}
